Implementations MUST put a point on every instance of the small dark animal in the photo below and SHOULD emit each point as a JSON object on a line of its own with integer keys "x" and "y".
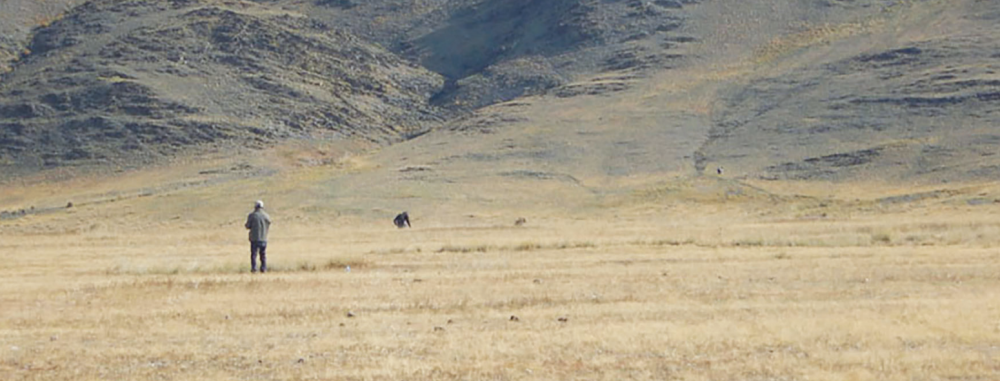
{"x": 520, "y": 221}
{"x": 402, "y": 220}
{"x": 718, "y": 170}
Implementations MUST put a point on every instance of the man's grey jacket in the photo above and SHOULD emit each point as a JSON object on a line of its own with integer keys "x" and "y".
{"x": 258, "y": 222}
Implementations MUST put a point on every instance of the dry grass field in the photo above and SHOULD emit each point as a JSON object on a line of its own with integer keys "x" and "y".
{"x": 657, "y": 285}
{"x": 640, "y": 259}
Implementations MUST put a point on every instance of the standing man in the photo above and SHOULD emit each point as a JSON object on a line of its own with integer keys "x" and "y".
{"x": 258, "y": 222}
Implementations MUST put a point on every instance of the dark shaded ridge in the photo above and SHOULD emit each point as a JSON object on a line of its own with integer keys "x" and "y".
{"x": 488, "y": 32}
{"x": 139, "y": 80}
{"x": 495, "y": 51}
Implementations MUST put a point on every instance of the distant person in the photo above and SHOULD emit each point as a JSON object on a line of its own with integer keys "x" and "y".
{"x": 258, "y": 222}
{"x": 402, "y": 220}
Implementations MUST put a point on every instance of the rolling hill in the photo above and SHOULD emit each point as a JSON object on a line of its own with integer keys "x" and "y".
{"x": 496, "y": 103}
{"x": 138, "y": 81}
{"x": 908, "y": 98}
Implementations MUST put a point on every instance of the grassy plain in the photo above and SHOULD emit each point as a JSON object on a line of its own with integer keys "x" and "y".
{"x": 631, "y": 266}
{"x": 689, "y": 281}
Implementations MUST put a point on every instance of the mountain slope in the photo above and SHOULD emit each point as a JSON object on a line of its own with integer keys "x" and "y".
{"x": 116, "y": 82}
{"x": 901, "y": 102}
{"x": 492, "y": 51}
{"x": 18, "y": 18}
{"x": 141, "y": 79}
{"x": 597, "y": 91}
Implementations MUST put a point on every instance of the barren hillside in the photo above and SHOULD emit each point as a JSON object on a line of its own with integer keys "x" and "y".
{"x": 911, "y": 97}
{"x": 17, "y": 20}
{"x": 113, "y": 82}
{"x": 572, "y": 89}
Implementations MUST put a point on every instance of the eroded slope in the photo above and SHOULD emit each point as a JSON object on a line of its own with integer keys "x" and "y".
{"x": 143, "y": 79}
{"x": 914, "y": 99}
{"x": 18, "y": 18}
{"x": 119, "y": 81}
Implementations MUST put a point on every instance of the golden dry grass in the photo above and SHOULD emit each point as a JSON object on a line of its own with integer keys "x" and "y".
{"x": 658, "y": 275}
{"x": 908, "y": 294}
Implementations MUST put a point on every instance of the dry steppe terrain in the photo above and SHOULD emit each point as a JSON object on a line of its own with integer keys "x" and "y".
{"x": 702, "y": 278}
{"x": 713, "y": 190}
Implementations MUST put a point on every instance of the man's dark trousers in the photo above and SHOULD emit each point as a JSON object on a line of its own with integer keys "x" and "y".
{"x": 256, "y": 246}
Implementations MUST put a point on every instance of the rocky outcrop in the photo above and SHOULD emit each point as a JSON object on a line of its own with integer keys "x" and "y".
{"x": 139, "y": 80}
